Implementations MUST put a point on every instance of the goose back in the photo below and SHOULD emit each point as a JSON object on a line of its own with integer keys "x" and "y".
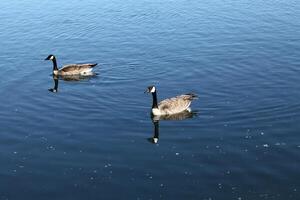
{"x": 176, "y": 104}
{"x": 72, "y": 69}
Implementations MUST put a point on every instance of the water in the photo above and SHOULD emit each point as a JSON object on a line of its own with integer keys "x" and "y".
{"x": 93, "y": 138}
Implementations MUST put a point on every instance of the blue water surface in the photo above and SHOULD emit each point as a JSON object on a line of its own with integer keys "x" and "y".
{"x": 90, "y": 140}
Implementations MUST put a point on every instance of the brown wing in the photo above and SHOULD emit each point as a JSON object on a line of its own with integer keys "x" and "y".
{"x": 176, "y": 104}
{"x": 77, "y": 67}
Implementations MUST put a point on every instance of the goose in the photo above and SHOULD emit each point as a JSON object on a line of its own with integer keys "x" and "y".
{"x": 172, "y": 105}
{"x": 72, "y": 69}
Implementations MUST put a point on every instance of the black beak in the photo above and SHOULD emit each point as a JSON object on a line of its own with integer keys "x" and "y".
{"x": 46, "y": 59}
{"x": 146, "y": 91}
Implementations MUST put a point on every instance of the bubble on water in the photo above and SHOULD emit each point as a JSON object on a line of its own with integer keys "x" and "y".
{"x": 248, "y": 137}
{"x": 265, "y": 145}
{"x": 220, "y": 185}
{"x": 107, "y": 165}
{"x": 51, "y": 148}
{"x": 176, "y": 154}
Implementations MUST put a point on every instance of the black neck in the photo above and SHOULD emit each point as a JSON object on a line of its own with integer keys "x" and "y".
{"x": 54, "y": 64}
{"x": 154, "y": 104}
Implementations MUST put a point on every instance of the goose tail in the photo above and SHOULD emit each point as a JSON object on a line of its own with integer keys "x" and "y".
{"x": 93, "y": 65}
{"x": 192, "y": 96}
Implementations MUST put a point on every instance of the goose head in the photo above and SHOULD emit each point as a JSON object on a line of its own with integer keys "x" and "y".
{"x": 50, "y": 57}
{"x": 150, "y": 89}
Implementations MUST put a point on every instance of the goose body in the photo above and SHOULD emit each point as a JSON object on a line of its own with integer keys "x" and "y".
{"x": 172, "y": 105}
{"x": 71, "y": 69}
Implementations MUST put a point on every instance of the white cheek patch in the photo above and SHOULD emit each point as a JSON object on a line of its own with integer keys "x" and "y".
{"x": 51, "y": 58}
{"x": 152, "y": 90}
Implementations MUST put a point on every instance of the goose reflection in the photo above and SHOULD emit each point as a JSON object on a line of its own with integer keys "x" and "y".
{"x": 55, "y": 88}
{"x": 156, "y": 118}
{"x": 56, "y": 79}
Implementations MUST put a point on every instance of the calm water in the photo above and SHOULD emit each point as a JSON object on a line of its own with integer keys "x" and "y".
{"x": 91, "y": 139}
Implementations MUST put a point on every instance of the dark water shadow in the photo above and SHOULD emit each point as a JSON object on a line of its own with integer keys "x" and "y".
{"x": 176, "y": 117}
{"x": 71, "y": 78}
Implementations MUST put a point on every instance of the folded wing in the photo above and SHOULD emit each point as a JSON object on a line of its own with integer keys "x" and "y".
{"x": 176, "y": 104}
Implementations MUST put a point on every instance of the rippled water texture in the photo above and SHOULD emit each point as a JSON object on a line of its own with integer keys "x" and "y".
{"x": 93, "y": 139}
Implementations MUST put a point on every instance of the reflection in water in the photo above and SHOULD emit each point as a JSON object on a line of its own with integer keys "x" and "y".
{"x": 179, "y": 116}
{"x": 55, "y": 88}
{"x": 68, "y": 78}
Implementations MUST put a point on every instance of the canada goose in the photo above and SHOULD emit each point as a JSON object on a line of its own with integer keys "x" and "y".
{"x": 72, "y": 69}
{"x": 172, "y": 105}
